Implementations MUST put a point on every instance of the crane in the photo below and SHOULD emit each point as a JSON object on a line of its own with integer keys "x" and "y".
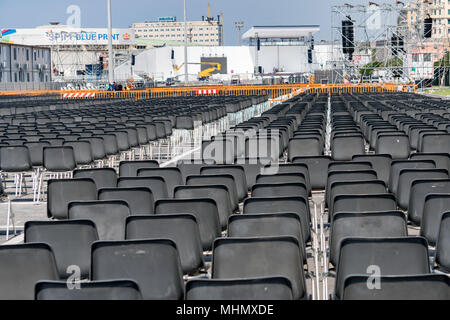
{"x": 205, "y": 74}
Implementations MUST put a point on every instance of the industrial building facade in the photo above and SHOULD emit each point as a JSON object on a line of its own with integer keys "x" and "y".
{"x": 20, "y": 63}
{"x": 208, "y": 32}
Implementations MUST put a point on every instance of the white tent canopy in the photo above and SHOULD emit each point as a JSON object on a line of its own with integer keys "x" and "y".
{"x": 281, "y": 32}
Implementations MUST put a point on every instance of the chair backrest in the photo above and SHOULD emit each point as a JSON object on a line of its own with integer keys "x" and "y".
{"x": 260, "y": 257}
{"x": 268, "y": 288}
{"x": 367, "y": 255}
{"x": 172, "y": 177}
{"x": 281, "y": 178}
{"x": 346, "y": 165}
{"x": 21, "y": 266}
{"x": 108, "y": 216}
{"x": 157, "y": 185}
{"x": 364, "y": 203}
{"x": 435, "y": 143}
{"x": 407, "y": 177}
{"x": 355, "y": 187}
{"x": 59, "y": 159}
{"x": 317, "y": 168}
{"x": 139, "y": 199}
{"x": 15, "y": 159}
{"x": 36, "y": 150}
{"x": 381, "y": 163}
{"x": 280, "y": 190}
{"x": 204, "y": 210}
{"x": 351, "y": 175}
{"x": 190, "y": 167}
{"x": 226, "y": 180}
{"x": 435, "y": 205}
{"x": 442, "y": 160}
{"x": 367, "y": 225}
{"x": 130, "y": 168}
{"x": 103, "y": 177}
{"x": 69, "y": 240}
{"x": 154, "y": 264}
{"x": 419, "y": 191}
{"x": 82, "y": 151}
{"x": 218, "y": 193}
{"x": 63, "y": 191}
{"x": 289, "y": 168}
{"x": 413, "y": 287}
{"x": 267, "y": 225}
{"x": 343, "y": 148}
{"x": 252, "y": 167}
{"x": 399, "y": 165}
{"x": 305, "y": 146}
{"x": 236, "y": 171}
{"x": 297, "y": 205}
{"x": 181, "y": 229}
{"x": 92, "y": 290}
{"x": 396, "y": 145}
{"x": 443, "y": 244}
{"x": 97, "y": 147}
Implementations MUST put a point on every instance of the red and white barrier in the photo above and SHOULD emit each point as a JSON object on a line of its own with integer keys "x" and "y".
{"x": 78, "y": 95}
{"x": 206, "y": 91}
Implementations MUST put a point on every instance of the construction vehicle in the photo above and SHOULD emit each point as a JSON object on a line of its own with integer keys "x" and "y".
{"x": 203, "y": 75}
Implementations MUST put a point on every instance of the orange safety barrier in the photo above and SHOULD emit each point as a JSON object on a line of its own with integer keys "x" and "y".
{"x": 273, "y": 91}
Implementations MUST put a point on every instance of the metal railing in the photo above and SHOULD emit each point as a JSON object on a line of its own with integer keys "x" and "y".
{"x": 272, "y": 91}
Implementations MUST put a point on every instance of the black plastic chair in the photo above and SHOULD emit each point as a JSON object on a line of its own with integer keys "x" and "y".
{"x": 108, "y": 216}
{"x": 269, "y": 288}
{"x": 21, "y": 266}
{"x": 154, "y": 264}
{"x": 69, "y": 240}
{"x": 93, "y": 290}
{"x": 63, "y": 191}
{"x": 205, "y": 211}
{"x": 139, "y": 199}
{"x": 181, "y": 229}
{"x": 237, "y": 258}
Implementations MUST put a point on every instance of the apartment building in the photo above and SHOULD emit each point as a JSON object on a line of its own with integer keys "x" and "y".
{"x": 438, "y": 10}
{"x": 207, "y": 32}
{"x": 19, "y": 63}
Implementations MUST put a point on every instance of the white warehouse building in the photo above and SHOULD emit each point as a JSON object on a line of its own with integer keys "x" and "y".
{"x": 271, "y": 50}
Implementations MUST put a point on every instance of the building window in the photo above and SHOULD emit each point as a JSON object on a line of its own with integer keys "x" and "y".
{"x": 15, "y": 76}
{"x": 415, "y": 58}
{"x": 15, "y": 53}
{"x": 427, "y": 57}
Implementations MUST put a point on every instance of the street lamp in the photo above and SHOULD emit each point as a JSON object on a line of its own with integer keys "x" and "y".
{"x": 185, "y": 45}
{"x": 110, "y": 47}
{"x": 239, "y": 25}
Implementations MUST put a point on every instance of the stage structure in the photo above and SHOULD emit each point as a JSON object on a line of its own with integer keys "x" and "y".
{"x": 390, "y": 42}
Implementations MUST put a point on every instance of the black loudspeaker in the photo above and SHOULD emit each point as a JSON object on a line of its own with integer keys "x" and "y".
{"x": 348, "y": 36}
{"x": 258, "y": 44}
{"x": 133, "y": 59}
{"x": 172, "y": 55}
{"x": 312, "y": 43}
{"x": 260, "y": 69}
{"x": 428, "y": 27}
{"x": 310, "y": 57}
{"x": 100, "y": 59}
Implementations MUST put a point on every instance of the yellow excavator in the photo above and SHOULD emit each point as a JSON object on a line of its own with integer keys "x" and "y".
{"x": 205, "y": 74}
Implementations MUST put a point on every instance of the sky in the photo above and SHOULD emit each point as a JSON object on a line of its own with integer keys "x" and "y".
{"x": 32, "y": 13}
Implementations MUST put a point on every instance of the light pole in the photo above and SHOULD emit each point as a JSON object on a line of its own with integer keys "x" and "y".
{"x": 239, "y": 25}
{"x": 110, "y": 47}
{"x": 185, "y": 45}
